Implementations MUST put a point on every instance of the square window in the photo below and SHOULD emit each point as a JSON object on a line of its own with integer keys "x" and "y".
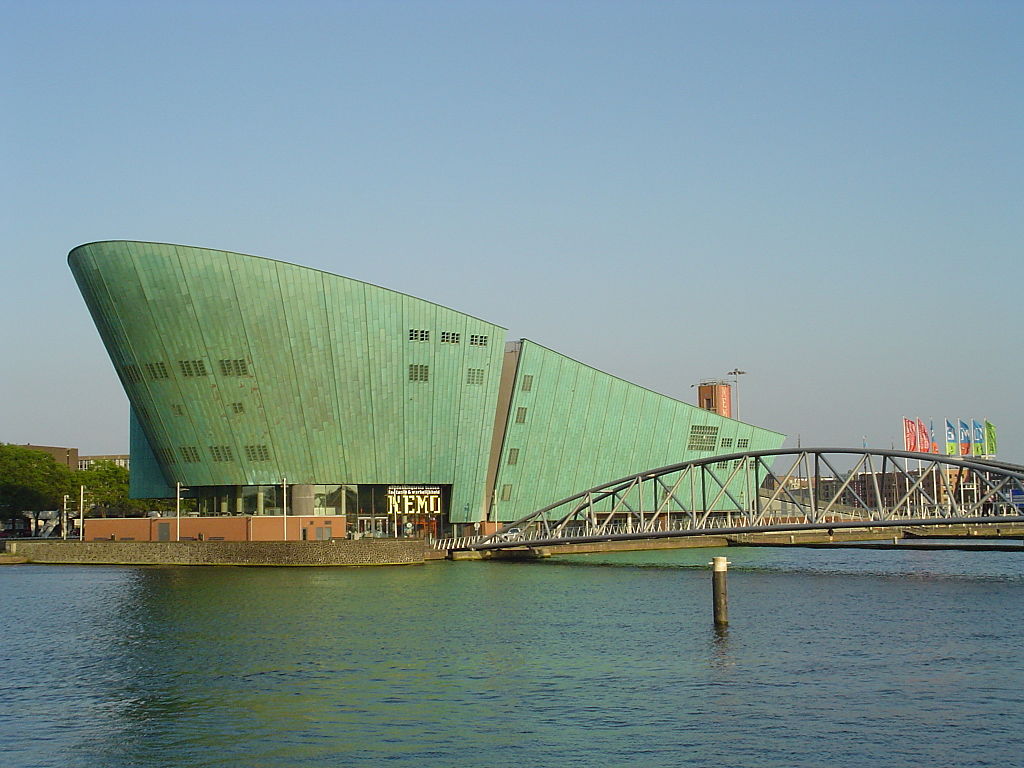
{"x": 702, "y": 438}
{"x": 234, "y": 368}
{"x": 419, "y": 372}
{"x": 192, "y": 368}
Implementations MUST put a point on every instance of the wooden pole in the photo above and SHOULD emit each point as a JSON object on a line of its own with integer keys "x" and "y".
{"x": 719, "y": 590}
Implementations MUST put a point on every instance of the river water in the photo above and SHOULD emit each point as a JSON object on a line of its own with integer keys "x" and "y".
{"x": 832, "y": 658}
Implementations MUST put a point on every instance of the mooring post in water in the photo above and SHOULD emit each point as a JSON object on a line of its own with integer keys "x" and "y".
{"x": 719, "y": 590}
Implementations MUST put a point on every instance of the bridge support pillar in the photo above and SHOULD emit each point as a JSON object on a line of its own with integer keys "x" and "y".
{"x": 719, "y": 590}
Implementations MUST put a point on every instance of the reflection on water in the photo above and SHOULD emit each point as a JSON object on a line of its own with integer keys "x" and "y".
{"x": 832, "y": 657}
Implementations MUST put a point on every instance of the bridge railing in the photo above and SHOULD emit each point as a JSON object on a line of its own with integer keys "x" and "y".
{"x": 797, "y": 487}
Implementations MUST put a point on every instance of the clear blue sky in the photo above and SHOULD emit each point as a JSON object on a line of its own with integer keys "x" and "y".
{"x": 827, "y": 195}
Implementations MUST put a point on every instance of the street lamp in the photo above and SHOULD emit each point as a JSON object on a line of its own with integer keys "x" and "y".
{"x": 736, "y": 373}
{"x": 284, "y": 505}
{"x": 177, "y": 509}
{"x": 81, "y": 513}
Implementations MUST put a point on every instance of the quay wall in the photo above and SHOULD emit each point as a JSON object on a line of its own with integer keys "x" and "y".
{"x": 251, "y": 553}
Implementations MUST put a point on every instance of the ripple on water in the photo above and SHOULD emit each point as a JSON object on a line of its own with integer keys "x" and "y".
{"x": 833, "y": 657}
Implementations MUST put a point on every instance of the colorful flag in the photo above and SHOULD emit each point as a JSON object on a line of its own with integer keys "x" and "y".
{"x": 978, "y": 441}
{"x": 931, "y": 433}
{"x": 952, "y": 449}
{"x": 990, "y": 438}
{"x": 965, "y": 438}
{"x": 923, "y": 442}
{"x": 909, "y": 435}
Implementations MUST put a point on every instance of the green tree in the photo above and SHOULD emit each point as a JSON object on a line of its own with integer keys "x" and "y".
{"x": 30, "y": 481}
{"x": 106, "y": 486}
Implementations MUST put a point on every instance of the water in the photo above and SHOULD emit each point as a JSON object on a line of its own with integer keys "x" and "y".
{"x": 839, "y": 658}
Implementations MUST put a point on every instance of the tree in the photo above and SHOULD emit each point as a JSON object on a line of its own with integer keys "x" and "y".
{"x": 107, "y": 486}
{"x": 30, "y": 481}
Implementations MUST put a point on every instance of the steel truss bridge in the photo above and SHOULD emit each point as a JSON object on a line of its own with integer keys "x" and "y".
{"x": 773, "y": 491}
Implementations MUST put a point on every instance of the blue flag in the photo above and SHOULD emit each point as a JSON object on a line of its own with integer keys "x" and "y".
{"x": 965, "y": 438}
{"x": 978, "y": 443}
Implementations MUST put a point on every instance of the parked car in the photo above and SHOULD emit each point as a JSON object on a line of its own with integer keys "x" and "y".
{"x": 512, "y": 534}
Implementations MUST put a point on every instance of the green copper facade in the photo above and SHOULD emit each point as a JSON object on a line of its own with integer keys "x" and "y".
{"x": 572, "y": 427}
{"x": 247, "y": 371}
{"x": 244, "y": 371}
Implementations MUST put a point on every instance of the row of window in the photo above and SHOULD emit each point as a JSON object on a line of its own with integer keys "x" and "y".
{"x": 190, "y": 453}
{"x": 705, "y": 438}
{"x": 420, "y": 372}
{"x": 179, "y": 410}
{"x": 189, "y": 369}
{"x": 735, "y": 463}
{"x": 741, "y": 442}
{"x": 448, "y": 337}
{"x": 513, "y": 453}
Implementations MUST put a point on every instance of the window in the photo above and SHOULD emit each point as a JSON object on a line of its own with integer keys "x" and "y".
{"x": 237, "y": 408}
{"x": 743, "y": 442}
{"x": 722, "y": 465}
{"x": 417, "y": 334}
{"x": 527, "y": 383}
{"x": 475, "y": 376}
{"x": 132, "y": 373}
{"x": 156, "y": 370}
{"x": 513, "y": 455}
{"x": 178, "y": 410}
{"x": 702, "y": 438}
{"x": 520, "y": 415}
{"x": 191, "y": 368}
{"x": 257, "y": 453}
{"x": 449, "y": 337}
{"x": 506, "y": 492}
{"x": 234, "y": 368}
{"x": 419, "y": 372}
{"x": 727, "y": 442}
{"x": 190, "y": 454}
{"x": 477, "y": 341}
{"x": 222, "y": 453}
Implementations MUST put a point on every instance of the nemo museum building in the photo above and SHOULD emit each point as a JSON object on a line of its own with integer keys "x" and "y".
{"x": 291, "y": 403}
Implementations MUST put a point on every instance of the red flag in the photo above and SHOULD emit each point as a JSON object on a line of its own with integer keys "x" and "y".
{"x": 909, "y": 435}
{"x": 923, "y": 438}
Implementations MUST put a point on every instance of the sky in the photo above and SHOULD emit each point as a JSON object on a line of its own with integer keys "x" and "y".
{"x": 825, "y": 195}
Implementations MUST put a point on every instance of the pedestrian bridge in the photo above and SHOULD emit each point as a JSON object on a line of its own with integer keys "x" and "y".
{"x": 773, "y": 491}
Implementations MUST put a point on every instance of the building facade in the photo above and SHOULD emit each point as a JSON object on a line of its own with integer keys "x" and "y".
{"x": 267, "y": 388}
{"x": 120, "y": 459}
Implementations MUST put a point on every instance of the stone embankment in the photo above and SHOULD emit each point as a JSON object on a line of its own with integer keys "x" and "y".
{"x": 249, "y": 553}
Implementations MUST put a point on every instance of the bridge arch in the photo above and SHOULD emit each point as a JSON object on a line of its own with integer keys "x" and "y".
{"x": 781, "y": 489}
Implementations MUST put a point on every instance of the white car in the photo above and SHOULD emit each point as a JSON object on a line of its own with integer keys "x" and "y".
{"x": 512, "y": 534}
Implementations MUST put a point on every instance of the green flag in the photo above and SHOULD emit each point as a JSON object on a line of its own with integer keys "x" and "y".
{"x": 990, "y": 438}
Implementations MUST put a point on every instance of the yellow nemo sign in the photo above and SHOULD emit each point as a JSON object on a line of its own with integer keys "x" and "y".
{"x": 414, "y": 500}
